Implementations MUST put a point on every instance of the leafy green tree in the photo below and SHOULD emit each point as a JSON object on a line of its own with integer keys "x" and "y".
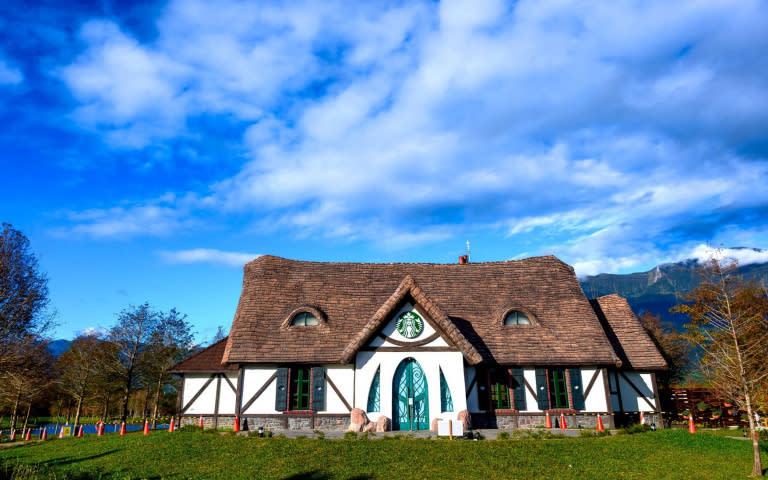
{"x": 729, "y": 323}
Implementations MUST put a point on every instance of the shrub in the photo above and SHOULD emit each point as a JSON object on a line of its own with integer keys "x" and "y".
{"x": 503, "y": 436}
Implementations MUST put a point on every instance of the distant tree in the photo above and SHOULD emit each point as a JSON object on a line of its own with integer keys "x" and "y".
{"x": 77, "y": 367}
{"x": 170, "y": 343}
{"x": 23, "y": 297}
{"x": 675, "y": 349}
{"x": 221, "y": 334}
{"x": 130, "y": 338}
{"x": 729, "y": 323}
{"x": 26, "y": 378}
{"x": 674, "y": 346}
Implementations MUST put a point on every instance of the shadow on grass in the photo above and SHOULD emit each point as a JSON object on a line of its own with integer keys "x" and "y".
{"x": 317, "y": 475}
{"x": 68, "y": 460}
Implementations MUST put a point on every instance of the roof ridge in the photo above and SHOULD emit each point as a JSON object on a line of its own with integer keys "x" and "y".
{"x": 263, "y": 258}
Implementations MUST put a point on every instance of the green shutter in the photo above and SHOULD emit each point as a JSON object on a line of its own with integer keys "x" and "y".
{"x": 541, "y": 388}
{"x": 318, "y": 388}
{"x": 281, "y": 392}
{"x": 577, "y": 393}
{"x": 518, "y": 388}
{"x": 483, "y": 398}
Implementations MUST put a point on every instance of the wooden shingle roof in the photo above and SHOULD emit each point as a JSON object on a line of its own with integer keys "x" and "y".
{"x": 469, "y": 301}
{"x": 629, "y": 339}
{"x": 207, "y": 360}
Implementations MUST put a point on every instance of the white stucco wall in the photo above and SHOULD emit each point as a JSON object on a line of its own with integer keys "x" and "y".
{"x": 343, "y": 376}
{"x": 206, "y": 402}
{"x": 452, "y": 364}
{"x": 253, "y": 379}
{"x": 596, "y": 401}
{"x": 630, "y": 400}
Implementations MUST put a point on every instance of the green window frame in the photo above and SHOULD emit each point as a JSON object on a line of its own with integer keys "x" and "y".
{"x": 300, "y": 392}
{"x": 374, "y": 393}
{"x": 499, "y": 383}
{"x": 558, "y": 391}
{"x": 304, "y": 319}
{"x": 446, "y": 401}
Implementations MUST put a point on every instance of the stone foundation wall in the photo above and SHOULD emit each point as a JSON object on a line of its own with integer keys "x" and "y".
{"x": 275, "y": 422}
{"x": 509, "y": 422}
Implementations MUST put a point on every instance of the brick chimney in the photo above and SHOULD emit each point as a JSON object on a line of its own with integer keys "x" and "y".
{"x": 463, "y": 259}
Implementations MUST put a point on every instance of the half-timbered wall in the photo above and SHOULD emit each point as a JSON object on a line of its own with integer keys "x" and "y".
{"x": 632, "y": 391}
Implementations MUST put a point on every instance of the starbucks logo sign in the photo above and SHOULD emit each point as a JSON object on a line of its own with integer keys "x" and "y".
{"x": 410, "y": 324}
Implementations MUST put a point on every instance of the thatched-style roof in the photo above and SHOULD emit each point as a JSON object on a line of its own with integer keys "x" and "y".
{"x": 207, "y": 360}
{"x": 467, "y": 302}
{"x": 629, "y": 339}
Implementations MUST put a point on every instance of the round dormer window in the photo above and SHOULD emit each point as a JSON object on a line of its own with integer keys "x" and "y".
{"x": 516, "y": 317}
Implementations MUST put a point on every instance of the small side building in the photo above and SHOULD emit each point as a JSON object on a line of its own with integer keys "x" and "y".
{"x": 502, "y": 343}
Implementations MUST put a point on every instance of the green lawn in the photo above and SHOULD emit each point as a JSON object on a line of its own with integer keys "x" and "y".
{"x": 181, "y": 455}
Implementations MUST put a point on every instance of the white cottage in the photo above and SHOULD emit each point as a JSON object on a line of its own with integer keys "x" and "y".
{"x": 505, "y": 342}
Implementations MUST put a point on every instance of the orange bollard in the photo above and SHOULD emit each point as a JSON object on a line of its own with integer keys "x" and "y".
{"x": 100, "y": 430}
{"x": 563, "y": 425}
{"x": 13, "y": 435}
{"x": 600, "y": 426}
{"x": 28, "y": 435}
{"x": 642, "y": 418}
{"x": 61, "y": 432}
{"x": 146, "y": 426}
{"x": 691, "y": 425}
{"x": 170, "y": 427}
{"x": 122, "y": 428}
{"x": 80, "y": 431}
{"x": 200, "y": 423}
{"x": 44, "y": 434}
{"x": 236, "y": 427}
{"x": 548, "y": 422}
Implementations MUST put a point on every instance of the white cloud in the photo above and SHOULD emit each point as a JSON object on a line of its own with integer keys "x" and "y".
{"x": 92, "y": 332}
{"x": 9, "y": 75}
{"x": 603, "y": 129}
{"x": 744, "y": 256}
{"x": 209, "y": 255}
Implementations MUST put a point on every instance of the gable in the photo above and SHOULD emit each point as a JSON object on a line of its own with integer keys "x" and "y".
{"x": 390, "y": 336}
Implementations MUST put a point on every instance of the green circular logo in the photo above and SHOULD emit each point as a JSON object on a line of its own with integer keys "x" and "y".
{"x": 410, "y": 324}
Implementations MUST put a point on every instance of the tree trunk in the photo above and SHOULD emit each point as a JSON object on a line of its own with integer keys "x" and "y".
{"x": 26, "y": 419}
{"x": 157, "y": 400}
{"x": 69, "y": 411}
{"x": 78, "y": 410}
{"x": 105, "y": 412}
{"x": 757, "y": 466}
{"x": 14, "y": 416}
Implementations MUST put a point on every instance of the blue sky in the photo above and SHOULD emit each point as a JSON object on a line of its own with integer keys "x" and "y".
{"x": 149, "y": 150}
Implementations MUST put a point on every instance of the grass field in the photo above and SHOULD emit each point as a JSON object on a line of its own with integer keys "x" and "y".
{"x": 192, "y": 454}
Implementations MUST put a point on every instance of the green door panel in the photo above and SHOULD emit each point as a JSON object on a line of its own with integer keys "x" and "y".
{"x": 410, "y": 402}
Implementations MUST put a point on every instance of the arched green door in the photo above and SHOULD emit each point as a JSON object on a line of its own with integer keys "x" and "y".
{"x": 410, "y": 399}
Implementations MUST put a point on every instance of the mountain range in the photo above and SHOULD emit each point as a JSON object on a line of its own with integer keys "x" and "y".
{"x": 662, "y": 287}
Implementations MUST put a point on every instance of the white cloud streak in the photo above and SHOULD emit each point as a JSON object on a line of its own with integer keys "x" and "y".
{"x": 208, "y": 255}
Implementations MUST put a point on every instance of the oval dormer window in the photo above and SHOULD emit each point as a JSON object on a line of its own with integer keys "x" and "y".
{"x": 304, "y": 319}
{"x": 516, "y": 317}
